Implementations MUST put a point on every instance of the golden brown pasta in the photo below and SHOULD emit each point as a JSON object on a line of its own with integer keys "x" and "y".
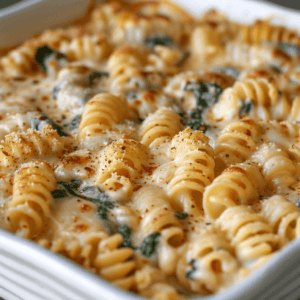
{"x": 18, "y": 147}
{"x": 283, "y": 216}
{"x": 164, "y": 123}
{"x": 29, "y": 208}
{"x": 156, "y": 149}
{"x": 100, "y": 113}
{"x": 237, "y": 185}
{"x": 207, "y": 262}
{"x": 248, "y": 232}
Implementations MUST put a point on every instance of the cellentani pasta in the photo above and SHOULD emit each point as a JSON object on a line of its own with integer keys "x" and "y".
{"x": 158, "y": 150}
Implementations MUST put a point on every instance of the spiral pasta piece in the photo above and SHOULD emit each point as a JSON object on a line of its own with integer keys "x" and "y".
{"x": 263, "y": 31}
{"x": 99, "y": 253}
{"x": 206, "y": 42}
{"x": 100, "y": 113}
{"x": 208, "y": 261}
{"x": 164, "y": 123}
{"x": 195, "y": 170}
{"x": 237, "y": 142}
{"x": 143, "y": 19}
{"x": 163, "y": 60}
{"x": 248, "y": 55}
{"x": 156, "y": 212}
{"x": 29, "y": 208}
{"x": 18, "y": 147}
{"x": 236, "y": 185}
{"x": 157, "y": 216}
{"x": 283, "y": 216}
{"x": 113, "y": 263}
{"x": 86, "y": 47}
{"x": 248, "y": 231}
{"x": 125, "y": 65}
{"x": 124, "y": 157}
{"x": 278, "y": 169}
{"x": 295, "y": 110}
{"x": 188, "y": 140}
{"x": 19, "y": 61}
{"x": 263, "y": 94}
{"x": 151, "y": 283}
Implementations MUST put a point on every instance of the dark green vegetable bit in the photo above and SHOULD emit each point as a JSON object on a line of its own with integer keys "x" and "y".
{"x": 43, "y": 53}
{"x": 163, "y": 40}
{"x": 125, "y": 231}
{"x": 55, "y": 91}
{"x": 190, "y": 273}
{"x": 206, "y": 94}
{"x": 139, "y": 120}
{"x": 298, "y": 203}
{"x": 59, "y": 193}
{"x": 92, "y": 194}
{"x": 289, "y": 49}
{"x": 43, "y": 119}
{"x": 276, "y": 68}
{"x": 96, "y": 75}
{"x": 196, "y": 124}
{"x": 103, "y": 209}
{"x": 228, "y": 71}
{"x": 246, "y": 107}
{"x": 131, "y": 95}
{"x": 149, "y": 244}
{"x": 181, "y": 215}
{"x": 75, "y": 122}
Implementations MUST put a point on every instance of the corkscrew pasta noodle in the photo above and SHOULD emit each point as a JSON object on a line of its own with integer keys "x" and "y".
{"x": 156, "y": 149}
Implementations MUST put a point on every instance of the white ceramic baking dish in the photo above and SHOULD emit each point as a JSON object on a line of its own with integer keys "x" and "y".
{"x": 29, "y": 272}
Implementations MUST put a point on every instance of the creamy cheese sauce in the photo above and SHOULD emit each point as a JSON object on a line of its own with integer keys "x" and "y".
{"x": 120, "y": 93}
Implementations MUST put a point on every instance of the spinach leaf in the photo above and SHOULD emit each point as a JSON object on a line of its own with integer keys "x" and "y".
{"x": 55, "y": 91}
{"x": 228, "y": 71}
{"x": 131, "y": 95}
{"x": 275, "y": 68}
{"x": 149, "y": 244}
{"x": 92, "y": 194}
{"x": 181, "y": 215}
{"x": 289, "y": 49}
{"x": 139, "y": 120}
{"x": 196, "y": 124}
{"x": 246, "y": 108}
{"x": 96, "y": 75}
{"x": 44, "y": 53}
{"x": 190, "y": 273}
{"x": 103, "y": 209}
{"x": 43, "y": 119}
{"x": 298, "y": 203}
{"x": 125, "y": 231}
{"x": 206, "y": 94}
{"x": 154, "y": 40}
{"x": 75, "y": 122}
{"x": 59, "y": 193}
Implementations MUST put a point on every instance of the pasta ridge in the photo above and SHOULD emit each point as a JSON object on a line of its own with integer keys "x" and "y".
{"x": 237, "y": 142}
{"x": 100, "y": 113}
{"x": 283, "y": 216}
{"x": 18, "y": 147}
{"x": 29, "y": 208}
{"x": 162, "y": 124}
{"x": 236, "y": 185}
{"x": 86, "y": 47}
{"x": 263, "y": 31}
{"x": 206, "y": 262}
{"x": 99, "y": 253}
{"x": 248, "y": 231}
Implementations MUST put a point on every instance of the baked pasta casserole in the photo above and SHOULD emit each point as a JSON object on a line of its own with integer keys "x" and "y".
{"x": 158, "y": 150}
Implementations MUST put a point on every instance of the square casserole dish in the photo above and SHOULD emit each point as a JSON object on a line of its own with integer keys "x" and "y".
{"x": 30, "y": 272}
